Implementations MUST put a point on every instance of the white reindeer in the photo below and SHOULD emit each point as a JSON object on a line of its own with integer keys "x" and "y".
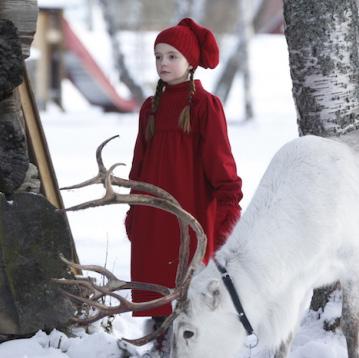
{"x": 300, "y": 232}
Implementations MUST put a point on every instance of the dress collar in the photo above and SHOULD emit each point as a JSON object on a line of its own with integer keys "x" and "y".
{"x": 181, "y": 87}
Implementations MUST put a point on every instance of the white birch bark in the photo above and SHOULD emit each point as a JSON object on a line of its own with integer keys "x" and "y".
{"x": 198, "y": 9}
{"x": 245, "y": 11}
{"x": 322, "y": 39}
{"x": 183, "y": 8}
{"x": 89, "y": 14}
{"x": 124, "y": 73}
{"x": 239, "y": 59}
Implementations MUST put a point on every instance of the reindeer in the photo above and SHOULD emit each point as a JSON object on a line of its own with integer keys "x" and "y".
{"x": 299, "y": 232}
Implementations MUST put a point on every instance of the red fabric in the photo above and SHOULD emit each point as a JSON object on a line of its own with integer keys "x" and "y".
{"x": 198, "y": 169}
{"x": 194, "y": 41}
{"x": 128, "y": 223}
{"x": 227, "y": 216}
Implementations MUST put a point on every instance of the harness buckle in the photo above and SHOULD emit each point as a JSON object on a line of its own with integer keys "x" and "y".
{"x": 251, "y": 341}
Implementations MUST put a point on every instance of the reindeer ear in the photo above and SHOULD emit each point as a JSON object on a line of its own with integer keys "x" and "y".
{"x": 212, "y": 296}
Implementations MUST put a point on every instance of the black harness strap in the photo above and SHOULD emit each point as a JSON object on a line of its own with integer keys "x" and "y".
{"x": 235, "y": 298}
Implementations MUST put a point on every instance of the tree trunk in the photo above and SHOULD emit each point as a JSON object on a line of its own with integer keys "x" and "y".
{"x": 322, "y": 39}
{"x": 183, "y": 9}
{"x": 119, "y": 57}
{"x": 239, "y": 61}
{"x": 198, "y": 10}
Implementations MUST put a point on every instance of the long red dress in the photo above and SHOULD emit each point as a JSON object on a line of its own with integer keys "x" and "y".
{"x": 198, "y": 169}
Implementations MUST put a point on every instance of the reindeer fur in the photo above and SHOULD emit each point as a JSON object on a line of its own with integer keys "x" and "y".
{"x": 300, "y": 231}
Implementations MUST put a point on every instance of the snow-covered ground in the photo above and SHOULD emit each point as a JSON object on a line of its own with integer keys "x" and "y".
{"x": 99, "y": 233}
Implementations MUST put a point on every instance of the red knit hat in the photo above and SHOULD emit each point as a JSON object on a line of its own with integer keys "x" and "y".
{"x": 194, "y": 41}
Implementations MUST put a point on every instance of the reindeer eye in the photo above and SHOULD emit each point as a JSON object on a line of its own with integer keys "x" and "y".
{"x": 188, "y": 334}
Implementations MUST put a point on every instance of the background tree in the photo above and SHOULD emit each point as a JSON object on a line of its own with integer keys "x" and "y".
{"x": 252, "y": 16}
{"x": 184, "y": 8}
{"x": 322, "y": 38}
{"x": 119, "y": 58}
{"x": 239, "y": 59}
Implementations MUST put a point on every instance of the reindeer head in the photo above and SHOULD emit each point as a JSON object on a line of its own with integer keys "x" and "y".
{"x": 202, "y": 328}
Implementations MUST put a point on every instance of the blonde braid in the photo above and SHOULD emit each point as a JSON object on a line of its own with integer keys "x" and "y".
{"x": 150, "y": 129}
{"x": 184, "y": 121}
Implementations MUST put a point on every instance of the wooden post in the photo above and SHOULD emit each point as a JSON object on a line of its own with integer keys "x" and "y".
{"x": 49, "y": 68}
{"x": 41, "y": 76}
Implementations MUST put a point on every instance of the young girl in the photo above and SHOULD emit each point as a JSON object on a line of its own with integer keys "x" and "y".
{"x": 182, "y": 146}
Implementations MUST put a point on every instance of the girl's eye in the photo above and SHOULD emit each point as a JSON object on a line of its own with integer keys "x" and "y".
{"x": 157, "y": 57}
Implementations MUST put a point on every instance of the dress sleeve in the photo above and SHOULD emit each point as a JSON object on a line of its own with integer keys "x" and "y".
{"x": 138, "y": 154}
{"x": 220, "y": 170}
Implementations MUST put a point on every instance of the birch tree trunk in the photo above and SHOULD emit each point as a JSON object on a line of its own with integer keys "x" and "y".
{"x": 198, "y": 10}
{"x": 90, "y": 14}
{"x": 184, "y": 8}
{"x": 322, "y": 39}
{"x": 239, "y": 60}
{"x": 119, "y": 57}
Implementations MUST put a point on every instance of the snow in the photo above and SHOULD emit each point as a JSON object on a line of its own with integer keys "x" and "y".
{"x": 73, "y": 137}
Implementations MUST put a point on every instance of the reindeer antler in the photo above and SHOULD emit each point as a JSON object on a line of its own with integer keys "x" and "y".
{"x": 140, "y": 186}
{"x": 158, "y": 198}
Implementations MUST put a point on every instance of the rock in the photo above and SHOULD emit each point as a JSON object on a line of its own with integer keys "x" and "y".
{"x": 11, "y": 62}
{"x": 32, "y": 235}
{"x": 14, "y": 160}
{"x": 23, "y": 13}
{"x": 31, "y": 182}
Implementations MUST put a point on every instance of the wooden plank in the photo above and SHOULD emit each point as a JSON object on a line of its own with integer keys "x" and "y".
{"x": 39, "y": 152}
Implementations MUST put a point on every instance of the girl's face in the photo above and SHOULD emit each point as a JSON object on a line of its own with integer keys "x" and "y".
{"x": 172, "y": 67}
